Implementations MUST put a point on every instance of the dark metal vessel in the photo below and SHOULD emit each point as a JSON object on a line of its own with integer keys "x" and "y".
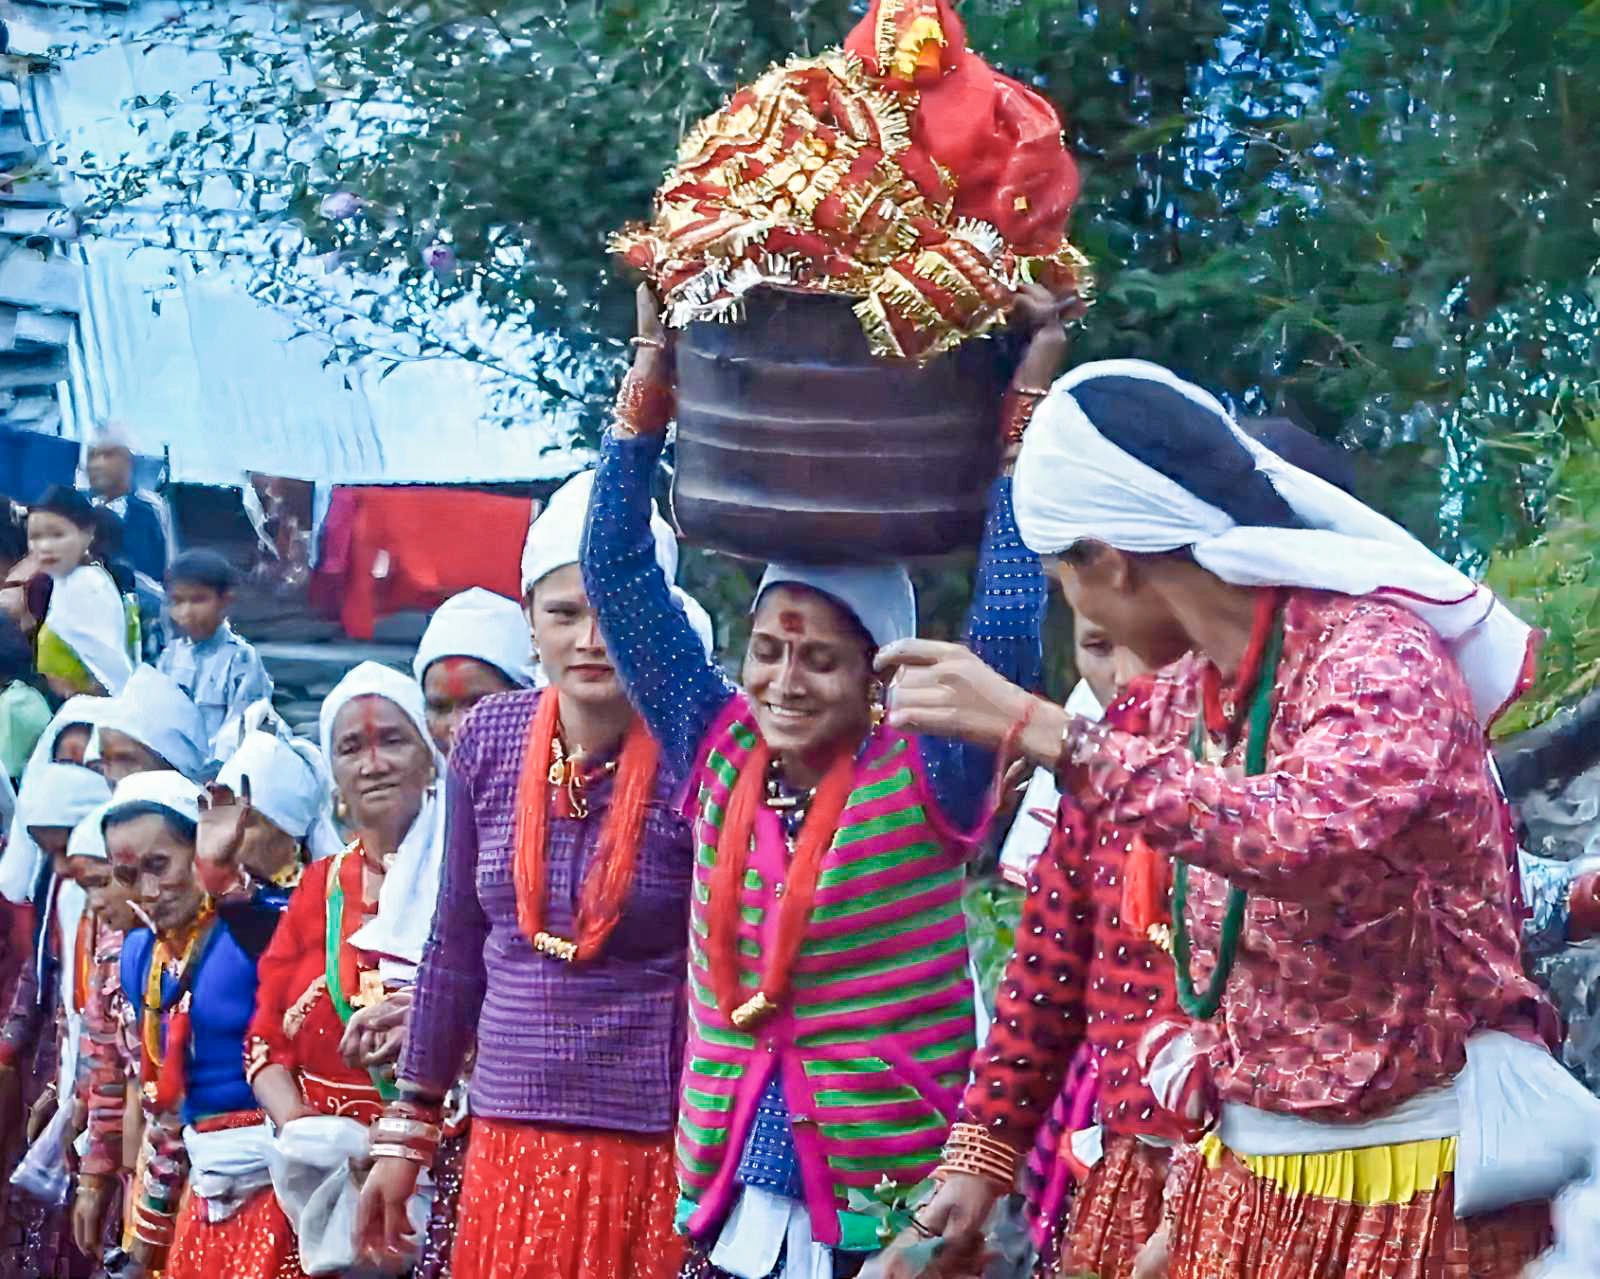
{"x": 795, "y": 442}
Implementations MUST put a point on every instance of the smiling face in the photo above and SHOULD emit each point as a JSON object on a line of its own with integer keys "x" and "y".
{"x": 452, "y": 687}
{"x": 56, "y": 543}
{"x": 121, "y": 756}
{"x": 381, "y": 766}
{"x": 155, "y": 865}
{"x": 567, "y": 637}
{"x": 808, "y": 671}
{"x": 108, "y": 896}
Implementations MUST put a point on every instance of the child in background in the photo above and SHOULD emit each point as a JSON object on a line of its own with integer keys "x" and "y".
{"x": 217, "y": 668}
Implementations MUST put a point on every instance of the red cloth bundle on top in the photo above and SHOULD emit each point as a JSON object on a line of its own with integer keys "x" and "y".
{"x": 901, "y": 169}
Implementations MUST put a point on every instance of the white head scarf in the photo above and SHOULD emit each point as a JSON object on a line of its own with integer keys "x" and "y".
{"x": 555, "y": 539}
{"x": 410, "y": 889}
{"x": 87, "y": 612}
{"x": 19, "y": 865}
{"x": 57, "y": 795}
{"x": 1073, "y": 484}
{"x": 157, "y": 714}
{"x": 880, "y": 596}
{"x": 88, "y": 838}
{"x": 165, "y": 789}
{"x": 484, "y": 626}
{"x": 289, "y": 784}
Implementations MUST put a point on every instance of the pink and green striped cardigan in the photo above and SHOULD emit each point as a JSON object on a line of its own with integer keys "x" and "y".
{"x": 874, "y": 1043}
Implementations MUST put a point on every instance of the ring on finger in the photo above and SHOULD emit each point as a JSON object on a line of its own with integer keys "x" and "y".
{"x": 917, "y": 1225}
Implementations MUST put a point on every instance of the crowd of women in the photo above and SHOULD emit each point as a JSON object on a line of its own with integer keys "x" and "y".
{"x": 568, "y": 956}
{"x": 565, "y": 955}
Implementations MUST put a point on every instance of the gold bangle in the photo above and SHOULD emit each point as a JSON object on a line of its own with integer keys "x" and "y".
{"x": 972, "y": 1148}
{"x": 1036, "y": 392}
{"x": 655, "y": 344}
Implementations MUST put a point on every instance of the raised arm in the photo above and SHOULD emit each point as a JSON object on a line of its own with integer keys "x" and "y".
{"x": 676, "y": 687}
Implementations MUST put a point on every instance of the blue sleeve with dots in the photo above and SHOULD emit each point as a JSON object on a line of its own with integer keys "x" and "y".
{"x": 674, "y": 685}
{"x": 1003, "y": 628}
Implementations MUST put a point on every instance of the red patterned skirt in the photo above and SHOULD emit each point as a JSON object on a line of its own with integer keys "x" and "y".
{"x": 1228, "y": 1223}
{"x": 551, "y": 1203}
{"x": 1117, "y": 1209}
{"x": 256, "y": 1242}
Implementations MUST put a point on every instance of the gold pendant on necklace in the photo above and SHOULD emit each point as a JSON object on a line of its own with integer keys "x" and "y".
{"x": 555, "y": 947}
{"x": 753, "y": 1011}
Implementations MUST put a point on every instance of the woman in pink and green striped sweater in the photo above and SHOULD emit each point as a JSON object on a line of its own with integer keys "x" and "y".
{"x": 830, "y": 1010}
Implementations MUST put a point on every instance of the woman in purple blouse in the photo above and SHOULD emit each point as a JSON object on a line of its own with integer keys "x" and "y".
{"x": 559, "y": 945}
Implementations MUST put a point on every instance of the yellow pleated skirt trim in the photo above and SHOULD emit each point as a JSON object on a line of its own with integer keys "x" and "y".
{"x": 1372, "y": 1175}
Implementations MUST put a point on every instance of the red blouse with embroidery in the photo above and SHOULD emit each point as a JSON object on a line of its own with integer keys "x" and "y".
{"x": 1378, "y": 934}
{"x": 1078, "y": 971}
{"x": 296, "y": 1024}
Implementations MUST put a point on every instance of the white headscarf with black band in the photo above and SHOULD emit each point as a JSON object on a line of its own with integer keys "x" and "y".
{"x": 398, "y": 932}
{"x": 1075, "y": 483}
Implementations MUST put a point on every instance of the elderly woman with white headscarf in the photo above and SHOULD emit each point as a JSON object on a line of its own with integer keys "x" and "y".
{"x": 356, "y": 922}
{"x": 477, "y": 644}
{"x": 826, "y": 920}
{"x": 569, "y": 970}
{"x": 1317, "y": 772}
{"x": 192, "y": 984}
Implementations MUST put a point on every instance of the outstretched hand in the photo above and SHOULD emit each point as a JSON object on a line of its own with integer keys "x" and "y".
{"x": 946, "y": 690}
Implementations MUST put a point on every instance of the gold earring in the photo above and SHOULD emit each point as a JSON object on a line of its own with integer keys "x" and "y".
{"x": 876, "y": 709}
{"x": 341, "y": 810}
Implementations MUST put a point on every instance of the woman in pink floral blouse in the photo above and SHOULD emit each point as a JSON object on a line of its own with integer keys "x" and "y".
{"x": 1315, "y": 786}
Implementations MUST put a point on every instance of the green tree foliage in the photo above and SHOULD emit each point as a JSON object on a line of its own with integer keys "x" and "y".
{"x": 1377, "y": 216}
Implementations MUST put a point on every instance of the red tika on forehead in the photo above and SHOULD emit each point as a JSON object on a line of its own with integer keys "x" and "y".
{"x": 792, "y": 620}
{"x": 456, "y": 670}
{"x": 371, "y": 726}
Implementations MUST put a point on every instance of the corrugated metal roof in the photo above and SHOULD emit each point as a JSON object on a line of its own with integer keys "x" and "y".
{"x": 41, "y": 290}
{"x": 186, "y": 363}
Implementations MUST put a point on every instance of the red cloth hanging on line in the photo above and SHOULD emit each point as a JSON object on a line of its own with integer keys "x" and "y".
{"x": 389, "y": 549}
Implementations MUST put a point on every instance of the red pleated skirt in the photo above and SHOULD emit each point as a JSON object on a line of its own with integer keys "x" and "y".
{"x": 550, "y": 1203}
{"x": 1116, "y": 1210}
{"x": 1229, "y": 1223}
{"x": 256, "y": 1242}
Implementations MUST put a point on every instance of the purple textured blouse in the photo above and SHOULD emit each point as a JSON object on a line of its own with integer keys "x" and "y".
{"x": 592, "y": 1046}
